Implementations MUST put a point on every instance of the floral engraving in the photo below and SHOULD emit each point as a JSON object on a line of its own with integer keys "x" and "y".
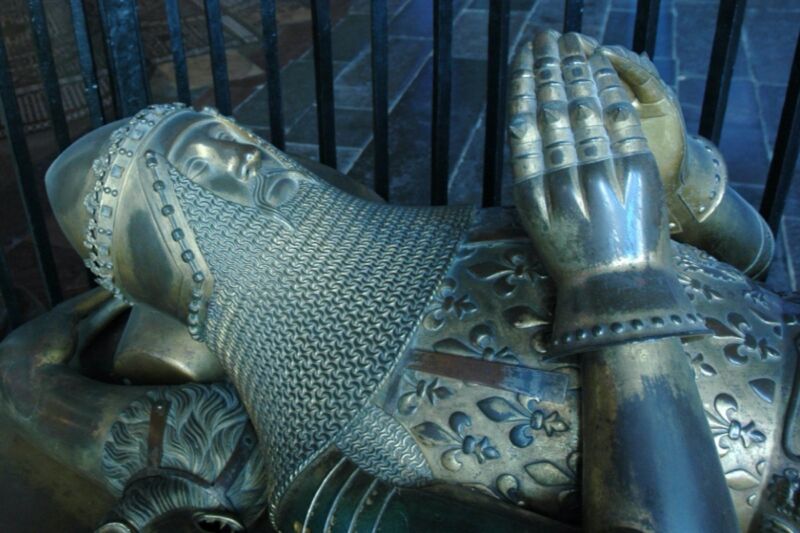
{"x": 529, "y": 418}
{"x": 549, "y": 474}
{"x": 506, "y": 273}
{"x": 422, "y": 391}
{"x": 742, "y": 343}
{"x": 694, "y": 287}
{"x": 727, "y": 429}
{"x": 693, "y": 260}
{"x": 700, "y": 367}
{"x": 460, "y": 442}
{"x": 447, "y": 304}
{"x": 482, "y": 344}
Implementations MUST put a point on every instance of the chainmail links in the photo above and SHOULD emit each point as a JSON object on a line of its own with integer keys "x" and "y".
{"x": 309, "y": 321}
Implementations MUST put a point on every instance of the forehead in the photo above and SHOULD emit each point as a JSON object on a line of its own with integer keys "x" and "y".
{"x": 200, "y": 134}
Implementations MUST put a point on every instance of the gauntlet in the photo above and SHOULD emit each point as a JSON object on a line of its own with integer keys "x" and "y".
{"x": 704, "y": 211}
{"x": 588, "y": 190}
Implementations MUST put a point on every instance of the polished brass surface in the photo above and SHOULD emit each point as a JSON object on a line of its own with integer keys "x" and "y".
{"x": 420, "y": 368}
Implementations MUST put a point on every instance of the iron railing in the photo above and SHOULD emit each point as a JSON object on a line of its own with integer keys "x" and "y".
{"x": 126, "y": 66}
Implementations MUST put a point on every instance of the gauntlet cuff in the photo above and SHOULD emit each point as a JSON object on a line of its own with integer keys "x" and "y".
{"x": 621, "y": 307}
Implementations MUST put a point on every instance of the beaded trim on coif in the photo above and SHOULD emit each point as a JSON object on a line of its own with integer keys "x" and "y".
{"x": 184, "y": 240}
{"x": 108, "y": 170}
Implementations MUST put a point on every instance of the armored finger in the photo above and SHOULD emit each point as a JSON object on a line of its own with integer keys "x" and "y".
{"x": 524, "y": 138}
{"x": 589, "y": 44}
{"x": 584, "y": 107}
{"x": 621, "y": 118}
{"x": 642, "y": 78}
{"x": 563, "y": 191}
{"x": 552, "y": 115}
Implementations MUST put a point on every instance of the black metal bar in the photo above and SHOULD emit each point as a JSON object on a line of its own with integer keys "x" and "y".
{"x": 720, "y": 67}
{"x": 787, "y": 144}
{"x": 125, "y": 56}
{"x": 496, "y": 92}
{"x": 9, "y": 294}
{"x": 380, "y": 94}
{"x": 23, "y": 167}
{"x": 573, "y": 15}
{"x": 646, "y": 26}
{"x": 269, "y": 29}
{"x": 442, "y": 67}
{"x": 47, "y": 68}
{"x": 323, "y": 81}
{"x": 178, "y": 51}
{"x": 91, "y": 89}
{"x": 219, "y": 61}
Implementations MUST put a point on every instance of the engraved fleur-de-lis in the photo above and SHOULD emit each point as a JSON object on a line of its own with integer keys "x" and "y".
{"x": 422, "y": 391}
{"x": 694, "y": 288}
{"x": 728, "y": 429}
{"x": 459, "y": 443}
{"x": 691, "y": 259}
{"x": 482, "y": 343}
{"x": 700, "y": 366}
{"x": 446, "y": 304}
{"x": 529, "y": 416}
{"x": 508, "y": 272}
{"x": 742, "y": 342}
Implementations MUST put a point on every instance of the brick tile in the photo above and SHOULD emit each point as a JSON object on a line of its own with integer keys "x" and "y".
{"x": 350, "y": 37}
{"x": 353, "y": 128}
{"x": 744, "y": 151}
{"x": 405, "y": 58}
{"x": 772, "y": 38}
{"x": 470, "y": 33}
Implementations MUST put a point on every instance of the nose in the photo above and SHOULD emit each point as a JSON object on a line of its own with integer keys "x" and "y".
{"x": 251, "y": 162}
{"x": 241, "y": 160}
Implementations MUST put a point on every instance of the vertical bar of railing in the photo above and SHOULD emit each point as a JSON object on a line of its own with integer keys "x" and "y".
{"x": 323, "y": 80}
{"x": 178, "y": 51}
{"x": 787, "y": 144}
{"x": 91, "y": 89}
{"x": 219, "y": 61}
{"x": 646, "y": 26}
{"x": 379, "y": 19}
{"x": 23, "y": 168}
{"x": 125, "y": 57}
{"x": 720, "y": 67}
{"x": 9, "y": 295}
{"x": 269, "y": 30}
{"x": 573, "y": 15}
{"x": 496, "y": 92}
{"x": 47, "y": 68}
{"x": 440, "y": 125}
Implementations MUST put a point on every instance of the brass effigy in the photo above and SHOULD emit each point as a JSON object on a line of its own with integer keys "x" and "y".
{"x": 559, "y": 366}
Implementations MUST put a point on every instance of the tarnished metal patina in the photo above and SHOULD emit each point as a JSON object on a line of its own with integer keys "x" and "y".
{"x": 557, "y": 367}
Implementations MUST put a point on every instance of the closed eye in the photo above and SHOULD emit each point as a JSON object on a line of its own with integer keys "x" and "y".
{"x": 195, "y": 167}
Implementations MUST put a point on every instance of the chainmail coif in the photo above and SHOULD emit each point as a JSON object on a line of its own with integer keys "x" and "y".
{"x": 309, "y": 321}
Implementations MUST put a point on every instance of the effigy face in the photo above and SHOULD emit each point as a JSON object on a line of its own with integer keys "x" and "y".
{"x": 389, "y": 358}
